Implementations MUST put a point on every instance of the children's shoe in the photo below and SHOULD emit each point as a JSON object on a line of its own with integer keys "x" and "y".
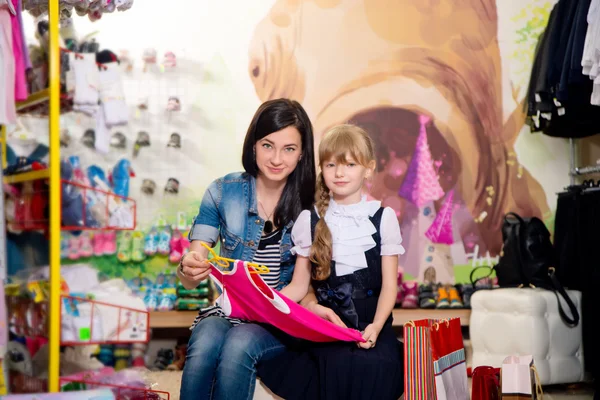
{"x": 74, "y": 244}
{"x": 151, "y": 242}
{"x": 443, "y": 299}
{"x": 64, "y": 245}
{"x": 179, "y": 361}
{"x": 426, "y": 297}
{"x": 110, "y": 243}
{"x": 163, "y": 359}
{"x": 86, "y": 249}
{"x": 124, "y": 247}
{"x": 176, "y": 247}
{"x": 170, "y": 60}
{"x": 467, "y": 292}
{"x": 454, "y": 297}
{"x": 137, "y": 247}
{"x": 98, "y": 243}
{"x": 185, "y": 245}
{"x": 164, "y": 239}
{"x": 410, "y": 292}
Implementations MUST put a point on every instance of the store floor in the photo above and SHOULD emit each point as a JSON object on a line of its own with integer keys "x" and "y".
{"x": 169, "y": 381}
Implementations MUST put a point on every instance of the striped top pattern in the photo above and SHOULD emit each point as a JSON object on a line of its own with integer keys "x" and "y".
{"x": 268, "y": 254}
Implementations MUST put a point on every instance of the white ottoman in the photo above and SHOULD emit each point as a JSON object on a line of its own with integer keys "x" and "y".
{"x": 526, "y": 321}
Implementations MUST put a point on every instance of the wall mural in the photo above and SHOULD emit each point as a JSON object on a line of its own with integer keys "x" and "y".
{"x": 439, "y": 84}
{"x": 425, "y": 79}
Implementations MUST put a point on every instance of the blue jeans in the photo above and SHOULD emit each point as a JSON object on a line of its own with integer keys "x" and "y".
{"x": 221, "y": 359}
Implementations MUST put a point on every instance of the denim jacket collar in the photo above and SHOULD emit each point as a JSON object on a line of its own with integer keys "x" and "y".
{"x": 252, "y": 205}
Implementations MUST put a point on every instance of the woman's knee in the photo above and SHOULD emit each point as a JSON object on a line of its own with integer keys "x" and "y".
{"x": 248, "y": 342}
{"x": 207, "y": 339}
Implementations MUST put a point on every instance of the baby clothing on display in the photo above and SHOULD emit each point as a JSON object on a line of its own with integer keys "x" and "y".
{"x": 112, "y": 97}
{"x": 8, "y": 112}
{"x": 19, "y": 51}
{"x": 246, "y": 296}
{"x": 87, "y": 81}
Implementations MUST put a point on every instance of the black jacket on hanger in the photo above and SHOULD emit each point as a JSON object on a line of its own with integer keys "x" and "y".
{"x": 559, "y": 93}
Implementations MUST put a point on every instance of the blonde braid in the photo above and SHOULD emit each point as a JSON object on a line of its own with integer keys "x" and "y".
{"x": 322, "y": 246}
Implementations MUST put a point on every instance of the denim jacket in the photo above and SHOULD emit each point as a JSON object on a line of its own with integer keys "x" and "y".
{"x": 229, "y": 213}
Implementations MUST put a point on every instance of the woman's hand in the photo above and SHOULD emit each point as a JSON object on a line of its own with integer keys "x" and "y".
{"x": 326, "y": 313}
{"x": 194, "y": 269}
{"x": 370, "y": 335}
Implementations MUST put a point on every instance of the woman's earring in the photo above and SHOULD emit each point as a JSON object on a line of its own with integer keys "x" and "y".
{"x": 300, "y": 158}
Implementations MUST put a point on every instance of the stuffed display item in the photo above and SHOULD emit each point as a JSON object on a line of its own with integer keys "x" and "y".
{"x": 245, "y": 295}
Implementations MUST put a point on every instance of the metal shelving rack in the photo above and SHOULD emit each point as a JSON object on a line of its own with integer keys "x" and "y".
{"x": 579, "y": 171}
{"x": 52, "y": 95}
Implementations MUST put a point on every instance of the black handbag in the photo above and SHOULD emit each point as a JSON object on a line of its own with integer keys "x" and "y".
{"x": 528, "y": 259}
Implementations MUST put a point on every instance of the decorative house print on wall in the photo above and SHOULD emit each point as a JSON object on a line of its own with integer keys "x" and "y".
{"x": 437, "y": 263}
{"x": 421, "y": 188}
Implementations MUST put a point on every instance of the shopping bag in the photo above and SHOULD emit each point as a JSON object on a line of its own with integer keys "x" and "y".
{"x": 434, "y": 361}
{"x": 519, "y": 379}
{"x": 486, "y": 383}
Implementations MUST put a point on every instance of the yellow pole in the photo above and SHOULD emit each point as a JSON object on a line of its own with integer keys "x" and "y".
{"x": 54, "y": 334}
{"x": 3, "y": 139}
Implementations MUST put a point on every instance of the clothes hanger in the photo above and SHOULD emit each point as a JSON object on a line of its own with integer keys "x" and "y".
{"x": 224, "y": 262}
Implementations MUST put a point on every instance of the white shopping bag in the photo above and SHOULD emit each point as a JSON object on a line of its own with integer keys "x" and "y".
{"x": 519, "y": 379}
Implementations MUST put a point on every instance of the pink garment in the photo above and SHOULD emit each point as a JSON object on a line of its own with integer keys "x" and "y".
{"x": 248, "y": 297}
{"x": 19, "y": 11}
{"x": 19, "y": 50}
{"x": 8, "y": 113}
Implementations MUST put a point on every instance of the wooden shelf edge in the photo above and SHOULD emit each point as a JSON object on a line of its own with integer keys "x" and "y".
{"x": 27, "y": 176}
{"x": 34, "y": 99}
{"x": 184, "y": 319}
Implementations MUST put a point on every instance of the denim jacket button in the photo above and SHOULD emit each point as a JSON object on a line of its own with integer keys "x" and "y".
{"x": 251, "y": 243}
{"x": 257, "y": 222}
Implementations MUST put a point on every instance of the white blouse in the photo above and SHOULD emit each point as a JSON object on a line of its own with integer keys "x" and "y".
{"x": 351, "y": 233}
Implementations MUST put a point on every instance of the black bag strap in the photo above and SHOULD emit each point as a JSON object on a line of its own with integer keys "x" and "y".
{"x": 557, "y": 288}
{"x": 473, "y": 282}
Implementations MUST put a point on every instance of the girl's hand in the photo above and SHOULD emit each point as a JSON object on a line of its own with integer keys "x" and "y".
{"x": 370, "y": 335}
{"x": 326, "y": 313}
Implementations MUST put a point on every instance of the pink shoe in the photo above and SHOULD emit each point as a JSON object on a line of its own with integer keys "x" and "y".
{"x": 176, "y": 247}
{"x": 98, "y": 241}
{"x": 74, "y": 244}
{"x": 399, "y": 295}
{"x": 185, "y": 245}
{"x": 86, "y": 249}
{"x": 410, "y": 290}
{"x": 110, "y": 243}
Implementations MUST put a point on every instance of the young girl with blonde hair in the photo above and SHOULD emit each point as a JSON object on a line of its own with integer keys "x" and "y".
{"x": 347, "y": 252}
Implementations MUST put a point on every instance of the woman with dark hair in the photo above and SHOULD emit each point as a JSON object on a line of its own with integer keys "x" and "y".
{"x": 252, "y": 214}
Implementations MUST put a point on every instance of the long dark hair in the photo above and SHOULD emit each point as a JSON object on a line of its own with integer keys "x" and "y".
{"x": 299, "y": 191}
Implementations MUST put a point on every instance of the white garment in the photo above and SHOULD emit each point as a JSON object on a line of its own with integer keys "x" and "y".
{"x": 351, "y": 233}
{"x": 112, "y": 97}
{"x": 590, "y": 61}
{"x": 85, "y": 72}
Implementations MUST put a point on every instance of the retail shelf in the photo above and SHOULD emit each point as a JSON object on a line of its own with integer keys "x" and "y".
{"x": 27, "y": 176}
{"x": 184, "y": 319}
{"x": 34, "y": 99}
{"x": 172, "y": 319}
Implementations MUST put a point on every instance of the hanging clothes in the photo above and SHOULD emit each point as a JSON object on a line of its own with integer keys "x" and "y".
{"x": 19, "y": 51}
{"x": 8, "y": 113}
{"x": 559, "y": 94}
{"x": 576, "y": 240}
{"x": 590, "y": 60}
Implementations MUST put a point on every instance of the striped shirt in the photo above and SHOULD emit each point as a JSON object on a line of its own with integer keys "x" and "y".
{"x": 268, "y": 254}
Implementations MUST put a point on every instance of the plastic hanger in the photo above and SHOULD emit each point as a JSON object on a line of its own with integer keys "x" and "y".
{"x": 224, "y": 262}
